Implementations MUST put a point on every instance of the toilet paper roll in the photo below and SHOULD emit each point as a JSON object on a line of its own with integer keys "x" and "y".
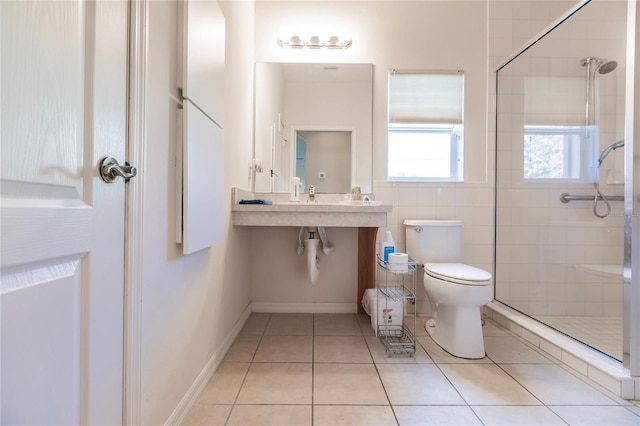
{"x": 398, "y": 262}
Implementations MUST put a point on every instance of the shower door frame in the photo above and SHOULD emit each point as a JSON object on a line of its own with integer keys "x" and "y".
{"x": 631, "y": 289}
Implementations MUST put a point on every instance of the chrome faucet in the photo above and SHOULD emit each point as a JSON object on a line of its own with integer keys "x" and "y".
{"x": 312, "y": 194}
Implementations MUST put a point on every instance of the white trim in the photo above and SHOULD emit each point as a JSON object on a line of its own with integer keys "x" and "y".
{"x": 191, "y": 396}
{"x": 138, "y": 40}
{"x": 305, "y": 308}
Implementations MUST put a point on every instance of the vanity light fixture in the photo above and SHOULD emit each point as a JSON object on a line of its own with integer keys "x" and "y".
{"x": 303, "y": 39}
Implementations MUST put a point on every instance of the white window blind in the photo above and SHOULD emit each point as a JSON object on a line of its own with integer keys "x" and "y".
{"x": 554, "y": 101}
{"x": 428, "y": 97}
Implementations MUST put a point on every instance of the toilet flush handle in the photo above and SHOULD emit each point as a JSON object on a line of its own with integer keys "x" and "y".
{"x": 418, "y": 228}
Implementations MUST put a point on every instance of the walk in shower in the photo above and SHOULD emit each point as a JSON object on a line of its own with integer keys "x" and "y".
{"x": 560, "y": 178}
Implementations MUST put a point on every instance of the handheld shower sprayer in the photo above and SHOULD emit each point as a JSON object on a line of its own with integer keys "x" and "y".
{"x": 608, "y": 150}
{"x": 596, "y": 185}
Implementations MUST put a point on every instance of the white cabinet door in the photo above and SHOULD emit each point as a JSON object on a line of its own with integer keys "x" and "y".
{"x": 203, "y": 190}
{"x": 63, "y": 107}
{"x": 203, "y": 57}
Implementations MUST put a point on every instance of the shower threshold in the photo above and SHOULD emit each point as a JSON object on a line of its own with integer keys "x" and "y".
{"x": 602, "y": 369}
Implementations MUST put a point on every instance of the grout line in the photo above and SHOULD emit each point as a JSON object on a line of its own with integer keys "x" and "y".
{"x": 235, "y": 400}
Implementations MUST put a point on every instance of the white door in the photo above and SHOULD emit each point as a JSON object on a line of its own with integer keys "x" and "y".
{"x": 63, "y": 108}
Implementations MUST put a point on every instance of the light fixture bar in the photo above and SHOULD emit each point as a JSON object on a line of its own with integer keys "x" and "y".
{"x": 296, "y": 41}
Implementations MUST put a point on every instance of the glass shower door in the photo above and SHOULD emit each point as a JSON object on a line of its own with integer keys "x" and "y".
{"x": 559, "y": 253}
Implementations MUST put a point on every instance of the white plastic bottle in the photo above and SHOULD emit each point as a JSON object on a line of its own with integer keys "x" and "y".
{"x": 295, "y": 189}
{"x": 388, "y": 247}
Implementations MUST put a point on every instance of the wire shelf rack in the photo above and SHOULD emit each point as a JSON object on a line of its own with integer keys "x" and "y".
{"x": 397, "y": 339}
{"x": 402, "y": 268}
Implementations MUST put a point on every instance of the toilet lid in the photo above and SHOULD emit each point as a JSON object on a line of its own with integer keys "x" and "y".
{"x": 458, "y": 273}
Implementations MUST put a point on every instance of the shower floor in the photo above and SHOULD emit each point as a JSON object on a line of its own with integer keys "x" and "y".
{"x": 602, "y": 333}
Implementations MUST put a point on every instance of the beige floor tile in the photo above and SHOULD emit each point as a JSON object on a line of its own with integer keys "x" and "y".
{"x": 256, "y": 324}
{"x": 285, "y": 349}
{"x": 419, "y": 328}
{"x": 354, "y": 384}
{"x": 270, "y": 415}
{"x": 490, "y": 328}
{"x": 243, "y": 348}
{"x": 487, "y": 384}
{"x": 554, "y": 386}
{"x": 364, "y": 321}
{"x": 509, "y": 350}
{"x": 440, "y": 356}
{"x": 290, "y": 326}
{"x": 596, "y": 416}
{"x": 208, "y": 415}
{"x": 417, "y": 384}
{"x": 379, "y": 353}
{"x": 277, "y": 383}
{"x": 225, "y": 384}
{"x": 353, "y": 415}
{"x": 336, "y": 325}
{"x": 521, "y": 416}
{"x": 440, "y": 415}
{"x": 341, "y": 349}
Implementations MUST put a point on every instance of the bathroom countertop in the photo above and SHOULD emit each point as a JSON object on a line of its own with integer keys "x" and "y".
{"x": 328, "y": 211}
{"x": 310, "y": 214}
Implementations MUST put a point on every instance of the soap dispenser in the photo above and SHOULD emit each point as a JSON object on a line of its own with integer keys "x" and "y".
{"x": 295, "y": 189}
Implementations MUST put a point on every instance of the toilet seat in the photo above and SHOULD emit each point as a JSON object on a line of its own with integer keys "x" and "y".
{"x": 458, "y": 273}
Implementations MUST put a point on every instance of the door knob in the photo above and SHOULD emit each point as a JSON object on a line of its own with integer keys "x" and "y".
{"x": 111, "y": 170}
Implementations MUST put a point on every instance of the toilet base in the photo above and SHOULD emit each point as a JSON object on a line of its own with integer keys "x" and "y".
{"x": 458, "y": 330}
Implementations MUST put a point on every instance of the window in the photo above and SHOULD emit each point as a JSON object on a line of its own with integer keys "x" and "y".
{"x": 557, "y": 145}
{"x": 425, "y": 125}
{"x": 558, "y": 152}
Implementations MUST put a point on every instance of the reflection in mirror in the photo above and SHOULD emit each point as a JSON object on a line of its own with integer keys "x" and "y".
{"x": 331, "y": 106}
{"x": 323, "y": 159}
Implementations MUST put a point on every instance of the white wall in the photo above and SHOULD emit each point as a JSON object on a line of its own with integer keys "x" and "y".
{"x": 189, "y": 303}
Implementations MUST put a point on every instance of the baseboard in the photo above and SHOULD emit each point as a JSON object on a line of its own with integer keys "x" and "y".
{"x": 191, "y": 397}
{"x": 304, "y": 308}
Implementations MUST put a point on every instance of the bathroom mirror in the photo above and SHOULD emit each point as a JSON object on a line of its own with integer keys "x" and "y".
{"x": 313, "y": 121}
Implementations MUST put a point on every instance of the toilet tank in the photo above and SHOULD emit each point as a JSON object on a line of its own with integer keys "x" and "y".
{"x": 435, "y": 241}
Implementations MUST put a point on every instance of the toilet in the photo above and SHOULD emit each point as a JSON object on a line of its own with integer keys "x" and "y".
{"x": 457, "y": 290}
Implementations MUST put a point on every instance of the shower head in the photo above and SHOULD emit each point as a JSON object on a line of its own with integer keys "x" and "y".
{"x": 608, "y": 149}
{"x": 607, "y": 67}
{"x": 603, "y": 66}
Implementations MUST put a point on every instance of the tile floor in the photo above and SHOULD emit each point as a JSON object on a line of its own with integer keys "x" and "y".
{"x": 332, "y": 370}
